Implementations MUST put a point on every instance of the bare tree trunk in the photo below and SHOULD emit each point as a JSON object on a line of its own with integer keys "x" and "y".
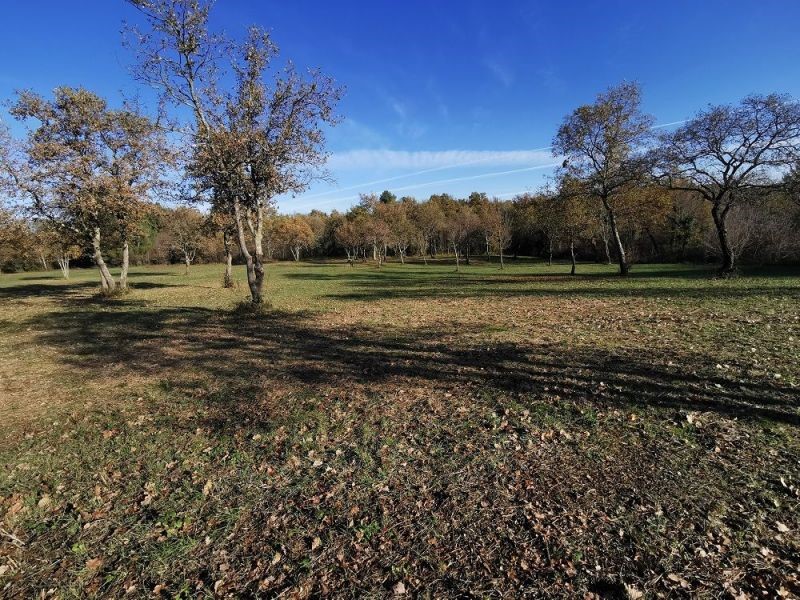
{"x": 572, "y": 254}
{"x": 654, "y": 242}
{"x": 624, "y": 268}
{"x": 425, "y": 254}
{"x": 502, "y": 264}
{"x": 123, "y": 276}
{"x": 455, "y": 251}
{"x": 106, "y": 280}
{"x": 549, "y": 251}
{"x": 43, "y": 258}
{"x": 63, "y": 263}
{"x": 720, "y": 214}
{"x": 605, "y": 241}
{"x": 227, "y": 280}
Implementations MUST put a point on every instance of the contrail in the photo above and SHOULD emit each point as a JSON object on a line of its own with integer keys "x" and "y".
{"x": 681, "y": 122}
{"x": 414, "y": 174}
{"x": 442, "y": 168}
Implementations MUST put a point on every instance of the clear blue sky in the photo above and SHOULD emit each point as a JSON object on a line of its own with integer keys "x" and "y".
{"x": 436, "y": 84}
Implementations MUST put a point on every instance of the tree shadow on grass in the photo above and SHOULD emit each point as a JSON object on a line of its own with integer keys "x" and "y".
{"x": 67, "y": 290}
{"x": 29, "y": 290}
{"x": 245, "y": 359}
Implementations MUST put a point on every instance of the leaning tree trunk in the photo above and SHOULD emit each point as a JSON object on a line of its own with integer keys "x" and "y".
{"x": 123, "y": 276}
{"x": 720, "y": 214}
{"x": 43, "y": 258}
{"x": 572, "y": 255}
{"x": 624, "y": 267}
{"x": 253, "y": 260}
{"x": 106, "y": 280}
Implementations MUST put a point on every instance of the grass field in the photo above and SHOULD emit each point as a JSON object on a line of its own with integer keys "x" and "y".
{"x": 408, "y": 430}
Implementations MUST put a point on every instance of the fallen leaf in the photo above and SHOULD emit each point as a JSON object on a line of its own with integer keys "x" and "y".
{"x": 94, "y": 563}
{"x": 633, "y": 593}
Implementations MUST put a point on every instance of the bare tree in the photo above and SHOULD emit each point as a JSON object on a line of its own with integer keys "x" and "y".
{"x": 261, "y": 138}
{"x": 54, "y": 242}
{"x": 497, "y": 225}
{"x": 460, "y": 223}
{"x": 219, "y": 223}
{"x": 428, "y": 219}
{"x": 604, "y": 144}
{"x": 726, "y": 151}
{"x": 546, "y": 218}
{"x": 185, "y": 229}
{"x": 573, "y": 213}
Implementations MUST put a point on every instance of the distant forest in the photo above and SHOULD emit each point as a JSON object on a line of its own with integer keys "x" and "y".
{"x": 671, "y": 226}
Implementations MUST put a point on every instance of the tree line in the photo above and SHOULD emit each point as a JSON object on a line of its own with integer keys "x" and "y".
{"x": 236, "y": 128}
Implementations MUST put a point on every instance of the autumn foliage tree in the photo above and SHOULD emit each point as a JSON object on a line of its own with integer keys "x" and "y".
{"x": 185, "y": 231}
{"x": 87, "y": 168}
{"x": 253, "y": 140}
{"x": 604, "y": 144}
{"x": 294, "y": 233}
{"x": 727, "y": 152}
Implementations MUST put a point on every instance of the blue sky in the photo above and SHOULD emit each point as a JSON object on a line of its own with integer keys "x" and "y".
{"x": 447, "y": 96}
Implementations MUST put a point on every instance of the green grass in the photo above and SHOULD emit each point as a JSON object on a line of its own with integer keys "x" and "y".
{"x": 479, "y": 432}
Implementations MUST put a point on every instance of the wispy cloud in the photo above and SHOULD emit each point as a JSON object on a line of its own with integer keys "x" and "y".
{"x": 402, "y": 159}
{"x": 500, "y": 71}
{"x": 398, "y": 107}
{"x": 358, "y": 133}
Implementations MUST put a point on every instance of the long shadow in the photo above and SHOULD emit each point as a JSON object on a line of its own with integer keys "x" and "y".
{"x": 137, "y": 275}
{"x": 482, "y": 288}
{"x": 46, "y": 289}
{"x": 67, "y": 291}
{"x": 415, "y": 282}
{"x": 246, "y": 357}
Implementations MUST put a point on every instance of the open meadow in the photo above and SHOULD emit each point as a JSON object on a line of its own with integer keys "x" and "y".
{"x": 407, "y": 429}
